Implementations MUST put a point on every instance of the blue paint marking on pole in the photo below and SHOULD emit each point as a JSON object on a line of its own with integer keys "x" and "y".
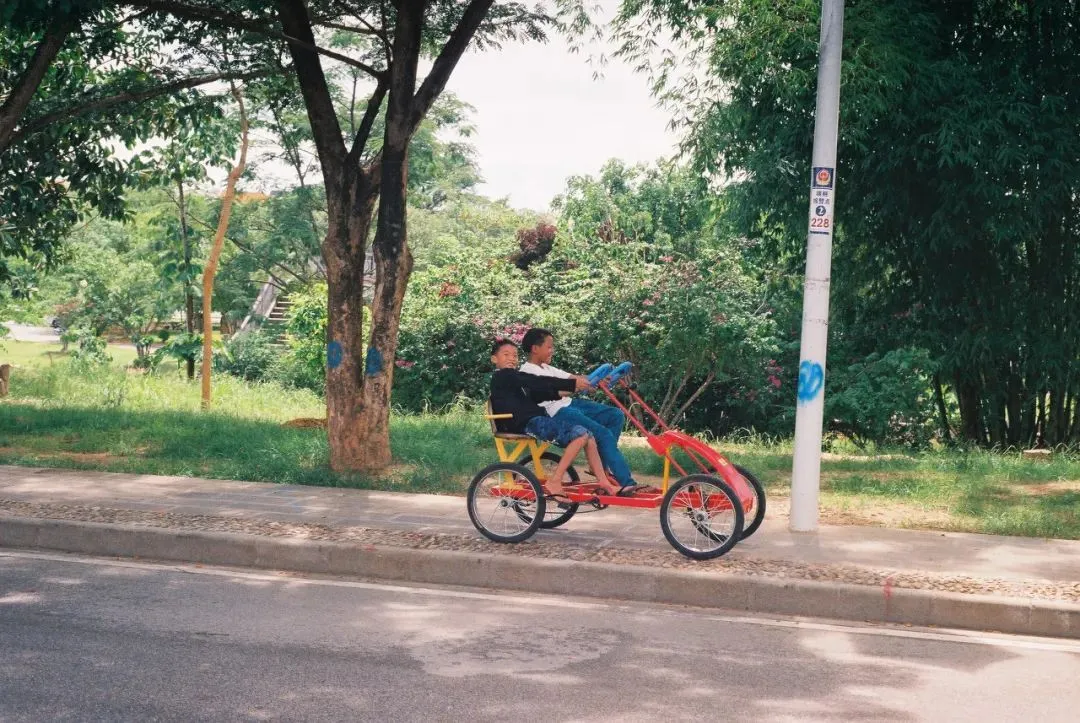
{"x": 811, "y": 380}
{"x": 374, "y": 363}
{"x": 334, "y": 354}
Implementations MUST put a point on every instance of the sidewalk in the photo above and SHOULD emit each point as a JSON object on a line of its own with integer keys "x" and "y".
{"x": 1002, "y": 583}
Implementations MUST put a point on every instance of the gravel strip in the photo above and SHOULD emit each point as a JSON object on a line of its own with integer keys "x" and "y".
{"x": 552, "y": 550}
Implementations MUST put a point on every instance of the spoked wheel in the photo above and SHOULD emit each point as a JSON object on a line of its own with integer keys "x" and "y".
{"x": 559, "y": 513}
{"x": 701, "y": 516}
{"x": 506, "y": 502}
{"x": 756, "y": 514}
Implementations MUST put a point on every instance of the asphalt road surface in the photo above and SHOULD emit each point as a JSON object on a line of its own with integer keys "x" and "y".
{"x": 90, "y": 639}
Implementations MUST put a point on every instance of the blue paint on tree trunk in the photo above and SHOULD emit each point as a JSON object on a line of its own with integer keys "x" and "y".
{"x": 335, "y": 354}
{"x": 374, "y": 363}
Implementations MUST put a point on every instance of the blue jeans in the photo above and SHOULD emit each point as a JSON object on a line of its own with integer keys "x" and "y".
{"x": 559, "y": 432}
{"x": 606, "y": 424}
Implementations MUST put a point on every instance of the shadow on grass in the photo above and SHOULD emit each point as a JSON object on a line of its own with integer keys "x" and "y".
{"x": 894, "y": 486}
{"x": 431, "y": 455}
{"x": 1003, "y": 510}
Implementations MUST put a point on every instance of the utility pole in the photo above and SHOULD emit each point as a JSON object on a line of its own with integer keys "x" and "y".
{"x": 809, "y": 416}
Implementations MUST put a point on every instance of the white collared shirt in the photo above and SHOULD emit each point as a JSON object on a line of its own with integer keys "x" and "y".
{"x": 546, "y": 370}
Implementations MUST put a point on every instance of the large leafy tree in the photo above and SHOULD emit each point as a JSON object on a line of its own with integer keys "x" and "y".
{"x": 78, "y": 82}
{"x": 959, "y": 172}
{"x": 365, "y": 182}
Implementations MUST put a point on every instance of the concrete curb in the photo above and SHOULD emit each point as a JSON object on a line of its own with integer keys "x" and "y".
{"x": 521, "y": 573}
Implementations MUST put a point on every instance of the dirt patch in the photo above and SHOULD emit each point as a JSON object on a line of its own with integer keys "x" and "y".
{"x": 305, "y": 423}
{"x": 82, "y": 457}
{"x": 830, "y": 457}
{"x": 1047, "y": 488}
{"x": 871, "y": 513}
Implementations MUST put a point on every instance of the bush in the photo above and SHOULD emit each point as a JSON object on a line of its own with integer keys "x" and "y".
{"x": 303, "y": 364}
{"x": 248, "y": 355}
{"x": 90, "y": 350}
{"x": 883, "y": 398}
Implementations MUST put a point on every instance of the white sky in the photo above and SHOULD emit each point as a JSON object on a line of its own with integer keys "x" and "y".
{"x": 541, "y": 118}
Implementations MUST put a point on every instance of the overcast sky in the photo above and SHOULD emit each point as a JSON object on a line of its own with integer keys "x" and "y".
{"x": 541, "y": 117}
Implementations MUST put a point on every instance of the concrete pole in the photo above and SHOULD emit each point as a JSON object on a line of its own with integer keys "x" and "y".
{"x": 806, "y": 467}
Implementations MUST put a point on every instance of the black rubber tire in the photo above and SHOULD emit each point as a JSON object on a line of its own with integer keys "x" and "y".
{"x": 555, "y": 514}
{"x": 759, "y": 509}
{"x": 724, "y": 544}
{"x": 526, "y": 474}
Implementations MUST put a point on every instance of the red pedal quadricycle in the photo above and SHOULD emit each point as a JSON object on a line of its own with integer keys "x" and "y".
{"x": 703, "y": 514}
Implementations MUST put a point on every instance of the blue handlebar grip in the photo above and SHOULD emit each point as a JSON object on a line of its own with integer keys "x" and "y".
{"x": 598, "y": 374}
{"x": 620, "y": 371}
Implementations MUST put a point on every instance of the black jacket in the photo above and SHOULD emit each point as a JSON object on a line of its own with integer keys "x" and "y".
{"x": 518, "y": 393}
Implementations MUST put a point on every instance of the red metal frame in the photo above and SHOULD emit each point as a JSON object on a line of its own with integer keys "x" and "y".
{"x": 707, "y": 459}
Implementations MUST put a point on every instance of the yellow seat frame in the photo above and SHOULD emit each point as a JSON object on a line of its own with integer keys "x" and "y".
{"x": 511, "y": 446}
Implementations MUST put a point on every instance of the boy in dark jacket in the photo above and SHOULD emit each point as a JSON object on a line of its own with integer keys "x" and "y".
{"x": 519, "y": 394}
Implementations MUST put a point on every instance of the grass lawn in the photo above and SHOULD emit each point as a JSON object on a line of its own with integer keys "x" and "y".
{"x": 117, "y": 420}
{"x": 36, "y": 354}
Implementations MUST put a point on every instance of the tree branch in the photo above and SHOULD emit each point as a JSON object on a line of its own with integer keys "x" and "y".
{"x": 239, "y": 22}
{"x": 444, "y": 65}
{"x": 322, "y": 115}
{"x": 369, "y": 30}
{"x": 16, "y": 103}
{"x": 693, "y": 397}
{"x": 126, "y": 97}
{"x": 374, "y": 105}
{"x": 210, "y": 271}
{"x": 248, "y": 249}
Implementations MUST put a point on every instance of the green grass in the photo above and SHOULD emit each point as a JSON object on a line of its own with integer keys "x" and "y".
{"x": 118, "y": 420}
{"x": 30, "y": 354}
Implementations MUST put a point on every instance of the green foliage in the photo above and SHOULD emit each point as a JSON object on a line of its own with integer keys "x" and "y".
{"x": 90, "y": 349}
{"x": 248, "y": 356}
{"x": 62, "y": 157}
{"x": 303, "y": 365}
{"x": 957, "y": 219}
{"x": 696, "y": 329}
{"x": 883, "y": 398}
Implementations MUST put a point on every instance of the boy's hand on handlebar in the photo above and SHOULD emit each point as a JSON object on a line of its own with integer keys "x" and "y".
{"x": 581, "y": 384}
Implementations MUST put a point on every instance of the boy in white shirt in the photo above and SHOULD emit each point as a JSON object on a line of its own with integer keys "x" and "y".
{"x": 603, "y": 420}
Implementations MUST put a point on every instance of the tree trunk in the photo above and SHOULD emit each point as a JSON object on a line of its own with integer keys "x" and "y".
{"x": 1014, "y": 405}
{"x": 215, "y": 252}
{"x": 393, "y": 261}
{"x": 967, "y": 395}
{"x": 943, "y": 413}
{"x": 1040, "y": 423}
{"x": 344, "y": 251}
{"x": 189, "y": 298}
{"x": 11, "y": 112}
{"x": 358, "y": 392}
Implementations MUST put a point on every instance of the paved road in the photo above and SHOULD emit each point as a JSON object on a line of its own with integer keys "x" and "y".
{"x": 25, "y": 332}
{"x": 88, "y": 639}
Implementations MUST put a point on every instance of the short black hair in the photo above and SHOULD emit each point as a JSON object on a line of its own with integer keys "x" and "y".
{"x": 534, "y": 337}
{"x": 499, "y": 344}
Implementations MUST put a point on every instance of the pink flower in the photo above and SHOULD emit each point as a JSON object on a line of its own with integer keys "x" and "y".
{"x": 667, "y": 259}
{"x": 648, "y": 302}
{"x": 775, "y": 380}
{"x": 403, "y": 364}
